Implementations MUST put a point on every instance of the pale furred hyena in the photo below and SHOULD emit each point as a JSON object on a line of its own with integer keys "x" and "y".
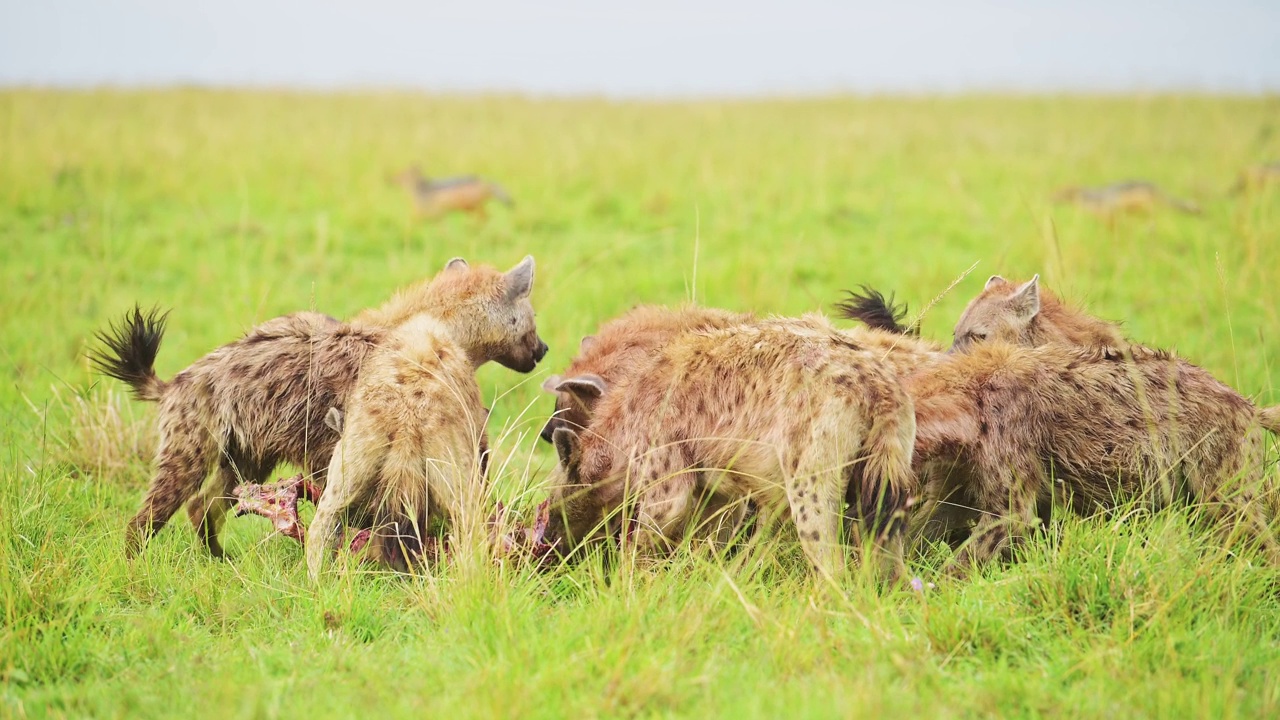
{"x": 785, "y": 418}
{"x": 410, "y": 461}
{"x": 262, "y": 400}
{"x": 1111, "y": 426}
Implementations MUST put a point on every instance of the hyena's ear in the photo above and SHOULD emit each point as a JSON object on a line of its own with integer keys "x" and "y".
{"x": 586, "y": 343}
{"x": 550, "y": 383}
{"x": 333, "y": 419}
{"x": 587, "y": 388}
{"x": 566, "y": 442}
{"x": 456, "y": 264}
{"x": 519, "y": 279}
{"x": 1026, "y": 301}
{"x": 994, "y": 280}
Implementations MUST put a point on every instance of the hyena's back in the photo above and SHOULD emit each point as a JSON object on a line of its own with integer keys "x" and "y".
{"x": 268, "y": 393}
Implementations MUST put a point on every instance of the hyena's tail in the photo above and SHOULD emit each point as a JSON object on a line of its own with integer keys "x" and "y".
{"x": 129, "y": 352}
{"x": 887, "y": 481}
{"x": 871, "y": 308}
{"x": 1269, "y": 418}
{"x": 501, "y": 195}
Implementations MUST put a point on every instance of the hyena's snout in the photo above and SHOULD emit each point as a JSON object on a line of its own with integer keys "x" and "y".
{"x": 539, "y": 350}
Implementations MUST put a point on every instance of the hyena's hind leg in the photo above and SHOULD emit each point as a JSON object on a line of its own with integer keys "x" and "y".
{"x": 815, "y": 496}
{"x": 353, "y": 472}
{"x": 1006, "y": 493}
{"x": 208, "y": 510}
{"x": 1238, "y": 494}
{"x": 663, "y": 509}
{"x": 187, "y": 453}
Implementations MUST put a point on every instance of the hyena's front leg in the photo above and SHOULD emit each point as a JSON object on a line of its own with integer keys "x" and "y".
{"x": 662, "y": 510}
{"x": 352, "y": 470}
{"x": 1005, "y": 494}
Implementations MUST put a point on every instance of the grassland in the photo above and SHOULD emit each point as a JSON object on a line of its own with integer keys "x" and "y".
{"x": 233, "y": 207}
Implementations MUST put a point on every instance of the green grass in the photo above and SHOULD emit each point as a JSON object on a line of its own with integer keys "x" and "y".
{"x": 233, "y": 207}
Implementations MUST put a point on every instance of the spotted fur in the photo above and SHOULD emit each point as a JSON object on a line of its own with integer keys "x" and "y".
{"x": 785, "y": 418}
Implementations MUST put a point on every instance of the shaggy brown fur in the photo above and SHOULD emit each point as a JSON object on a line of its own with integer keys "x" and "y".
{"x": 1110, "y": 426}
{"x": 1031, "y": 316}
{"x": 1026, "y": 314}
{"x": 783, "y": 417}
{"x": 262, "y": 400}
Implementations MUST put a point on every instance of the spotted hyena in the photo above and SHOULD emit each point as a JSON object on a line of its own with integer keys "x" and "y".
{"x": 788, "y": 419}
{"x": 1112, "y": 426}
{"x": 262, "y": 400}
{"x": 410, "y": 461}
{"x": 1033, "y": 377}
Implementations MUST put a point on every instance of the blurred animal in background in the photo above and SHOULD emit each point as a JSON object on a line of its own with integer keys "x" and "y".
{"x": 1257, "y": 177}
{"x": 1130, "y": 196}
{"x": 436, "y": 197}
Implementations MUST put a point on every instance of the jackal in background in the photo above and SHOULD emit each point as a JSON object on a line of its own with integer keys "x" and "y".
{"x": 434, "y": 197}
{"x": 1131, "y": 196}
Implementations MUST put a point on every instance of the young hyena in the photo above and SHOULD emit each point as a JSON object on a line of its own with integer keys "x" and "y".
{"x": 785, "y": 418}
{"x": 411, "y": 459}
{"x": 262, "y": 400}
{"x": 1111, "y": 426}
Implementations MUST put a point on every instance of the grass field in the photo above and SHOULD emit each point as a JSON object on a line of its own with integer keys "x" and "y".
{"x": 234, "y": 207}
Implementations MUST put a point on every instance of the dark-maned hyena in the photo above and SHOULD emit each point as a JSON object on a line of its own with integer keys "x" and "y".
{"x": 410, "y": 461}
{"x": 262, "y": 400}
{"x": 1110, "y": 426}
{"x": 785, "y": 418}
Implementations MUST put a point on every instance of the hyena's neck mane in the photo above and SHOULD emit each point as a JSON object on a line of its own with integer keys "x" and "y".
{"x": 1058, "y": 322}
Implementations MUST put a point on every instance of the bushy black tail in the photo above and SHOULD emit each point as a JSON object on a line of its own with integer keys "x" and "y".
{"x": 129, "y": 352}
{"x": 872, "y": 309}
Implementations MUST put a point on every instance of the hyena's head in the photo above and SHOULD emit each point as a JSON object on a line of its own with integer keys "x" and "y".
{"x": 1002, "y": 311}
{"x": 489, "y": 312}
{"x": 583, "y": 499}
{"x": 576, "y": 399}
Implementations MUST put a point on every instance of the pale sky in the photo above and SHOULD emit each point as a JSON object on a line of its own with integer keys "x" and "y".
{"x": 648, "y": 47}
